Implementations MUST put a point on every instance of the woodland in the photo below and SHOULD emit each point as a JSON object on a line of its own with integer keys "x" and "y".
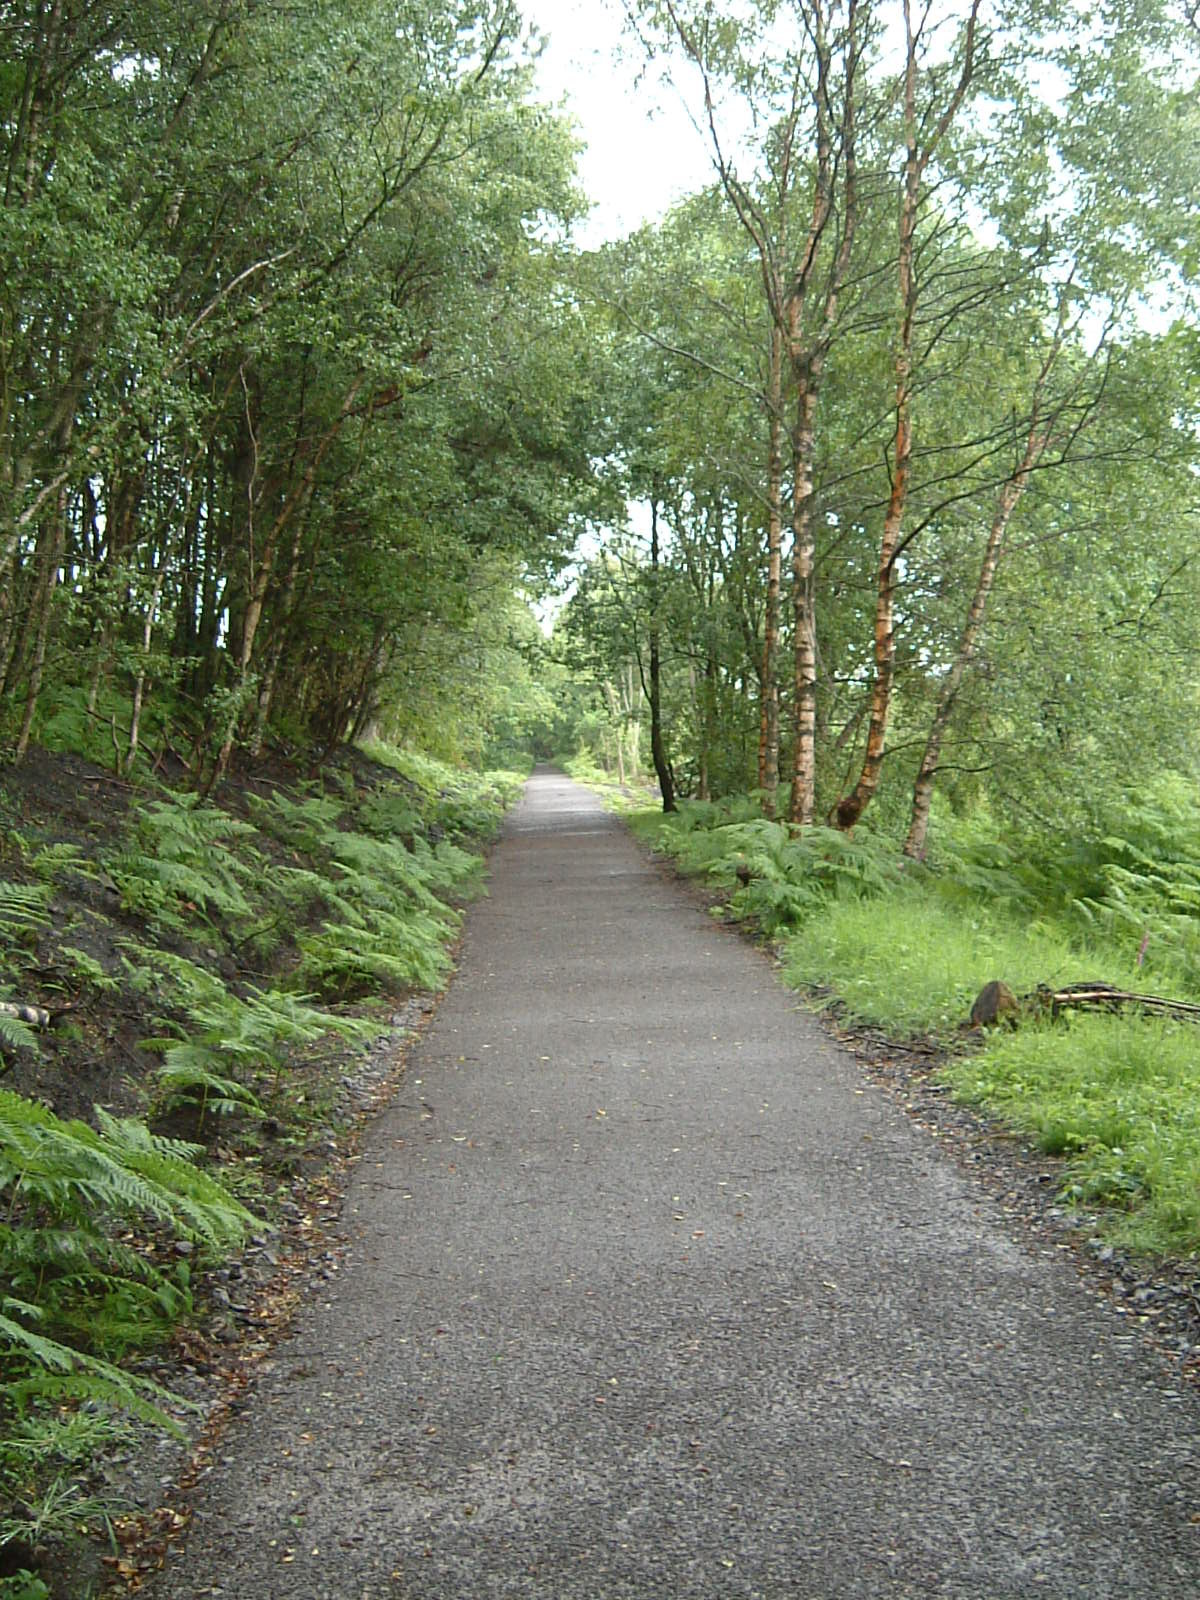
{"x": 855, "y": 502}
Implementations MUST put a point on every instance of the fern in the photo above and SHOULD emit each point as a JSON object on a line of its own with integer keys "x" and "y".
{"x": 38, "y": 1367}
{"x": 24, "y": 909}
{"x": 189, "y": 1076}
{"x": 303, "y": 825}
{"x": 376, "y": 866}
{"x": 85, "y": 969}
{"x": 389, "y": 813}
{"x": 91, "y": 1286}
{"x": 384, "y": 950}
{"x": 80, "y": 1289}
{"x": 16, "y": 1035}
{"x": 70, "y": 1170}
{"x": 51, "y": 862}
{"x": 180, "y": 861}
{"x": 190, "y": 984}
{"x": 227, "y": 1032}
{"x": 449, "y": 867}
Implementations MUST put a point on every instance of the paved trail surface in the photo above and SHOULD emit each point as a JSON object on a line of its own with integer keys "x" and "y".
{"x": 649, "y": 1293}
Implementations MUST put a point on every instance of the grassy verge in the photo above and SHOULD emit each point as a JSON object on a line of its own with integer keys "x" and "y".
{"x": 907, "y": 949}
{"x": 1120, "y": 1096}
{"x": 627, "y": 799}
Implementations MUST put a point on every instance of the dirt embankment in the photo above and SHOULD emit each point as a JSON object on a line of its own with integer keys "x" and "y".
{"x": 94, "y": 952}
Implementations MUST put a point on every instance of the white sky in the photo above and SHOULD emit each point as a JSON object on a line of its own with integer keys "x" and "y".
{"x": 643, "y": 151}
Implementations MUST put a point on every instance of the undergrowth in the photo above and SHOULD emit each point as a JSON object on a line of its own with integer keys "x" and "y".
{"x": 236, "y": 931}
{"x": 1117, "y": 1095}
{"x": 87, "y": 1210}
{"x": 627, "y": 799}
{"x": 906, "y": 948}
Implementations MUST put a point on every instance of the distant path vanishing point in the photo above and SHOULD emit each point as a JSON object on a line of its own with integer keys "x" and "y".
{"x": 649, "y": 1292}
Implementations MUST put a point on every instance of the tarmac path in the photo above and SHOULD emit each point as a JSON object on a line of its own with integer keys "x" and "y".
{"x": 649, "y": 1292}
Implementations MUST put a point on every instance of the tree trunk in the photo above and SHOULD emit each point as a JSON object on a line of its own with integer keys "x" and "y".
{"x": 266, "y": 693}
{"x": 634, "y": 701}
{"x": 1010, "y": 494}
{"x": 658, "y": 751}
{"x": 261, "y": 580}
{"x": 43, "y": 607}
{"x": 139, "y": 686}
{"x": 804, "y": 611}
{"x": 614, "y": 711}
{"x": 47, "y": 583}
{"x": 851, "y": 807}
{"x": 768, "y": 759}
{"x": 702, "y": 732}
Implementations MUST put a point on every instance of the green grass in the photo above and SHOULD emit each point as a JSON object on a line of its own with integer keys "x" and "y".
{"x": 1117, "y": 1094}
{"x": 914, "y": 964}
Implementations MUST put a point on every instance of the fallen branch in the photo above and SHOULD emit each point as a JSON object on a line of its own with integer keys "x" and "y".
{"x": 996, "y": 1002}
{"x": 34, "y": 1015}
{"x": 1106, "y": 997}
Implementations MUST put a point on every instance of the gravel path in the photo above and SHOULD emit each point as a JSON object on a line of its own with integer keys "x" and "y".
{"x": 649, "y": 1292}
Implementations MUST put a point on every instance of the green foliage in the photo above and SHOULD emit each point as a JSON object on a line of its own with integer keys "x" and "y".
{"x": 180, "y": 861}
{"x": 1132, "y": 882}
{"x": 16, "y": 1035}
{"x": 790, "y": 876}
{"x": 79, "y": 1293}
{"x": 297, "y": 256}
{"x": 376, "y": 950}
{"x": 367, "y": 900}
{"x": 303, "y": 824}
{"x": 225, "y": 1039}
{"x": 84, "y": 969}
{"x": 22, "y": 1585}
{"x": 1120, "y": 1096}
{"x": 49, "y": 862}
{"x": 389, "y": 927}
{"x": 913, "y": 962}
{"x": 190, "y": 1076}
{"x": 459, "y": 802}
{"x": 24, "y": 912}
{"x": 68, "y": 1170}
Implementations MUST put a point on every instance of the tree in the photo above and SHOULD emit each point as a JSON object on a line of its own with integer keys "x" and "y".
{"x": 923, "y": 131}
{"x": 260, "y": 357}
{"x": 812, "y": 88}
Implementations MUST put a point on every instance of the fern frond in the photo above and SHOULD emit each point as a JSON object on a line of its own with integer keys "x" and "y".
{"x": 52, "y": 861}
{"x": 305, "y": 825}
{"x": 16, "y": 1035}
{"x": 59, "y": 1373}
{"x": 192, "y": 984}
{"x": 23, "y": 1341}
{"x": 190, "y": 1075}
{"x": 24, "y": 908}
{"x": 181, "y": 858}
{"x": 119, "y": 1168}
